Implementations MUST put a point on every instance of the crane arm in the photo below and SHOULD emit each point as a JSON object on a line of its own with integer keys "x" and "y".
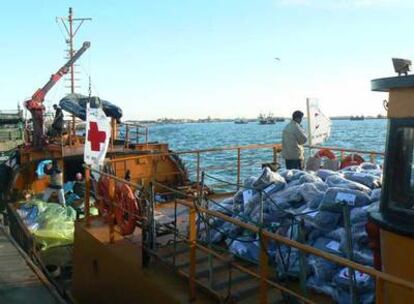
{"x": 36, "y": 101}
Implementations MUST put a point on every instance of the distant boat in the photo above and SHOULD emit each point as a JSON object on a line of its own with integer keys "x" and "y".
{"x": 241, "y": 121}
{"x": 280, "y": 119}
{"x": 267, "y": 120}
{"x": 357, "y": 117}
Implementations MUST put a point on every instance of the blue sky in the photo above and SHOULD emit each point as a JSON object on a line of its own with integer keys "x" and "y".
{"x": 199, "y": 58}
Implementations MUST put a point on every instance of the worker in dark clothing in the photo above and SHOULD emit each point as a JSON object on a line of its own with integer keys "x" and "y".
{"x": 79, "y": 187}
{"x": 57, "y": 125}
{"x": 55, "y": 184}
{"x": 38, "y": 136}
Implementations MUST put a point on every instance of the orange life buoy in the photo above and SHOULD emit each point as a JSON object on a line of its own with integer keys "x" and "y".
{"x": 352, "y": 160}
{"x": 325, "y": 153}
{"x": 126, "y": 209}
{"x": 103, "y": 200}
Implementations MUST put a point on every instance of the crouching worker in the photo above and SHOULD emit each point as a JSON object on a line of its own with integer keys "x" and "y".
{"x": 55, "y": 184}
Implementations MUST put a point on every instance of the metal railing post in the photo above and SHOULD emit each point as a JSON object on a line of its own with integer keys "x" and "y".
{"x": 175, "y": 230}
{"x": 87, "y": 195}
{"x": 372, "y": 157}
{"x": 126, "y": 136}
{"x": 379, "y": 290}
{"x": 238, "y": 167}
{"x": 198, "y": 169}
{"x": 302, "y": 260}
{"x": 261, "y": 208}
{"x": 152, "y": 211}
{"x": 207, "y": 217}
{"x": 192, "y": 257}
{"x": 264, "y": 267}
{"x": 275, "y": 155}
{"x": 111, "y": 212}
{"x": 349, "y": 250}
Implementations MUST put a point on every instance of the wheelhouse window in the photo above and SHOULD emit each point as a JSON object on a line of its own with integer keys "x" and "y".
{"x": 401, "y": 169}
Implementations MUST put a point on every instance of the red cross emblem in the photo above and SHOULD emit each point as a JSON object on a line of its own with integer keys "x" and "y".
{"x": 95, "y": 136}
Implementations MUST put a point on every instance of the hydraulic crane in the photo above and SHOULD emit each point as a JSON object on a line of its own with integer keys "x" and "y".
{"x": 35, "y": 103}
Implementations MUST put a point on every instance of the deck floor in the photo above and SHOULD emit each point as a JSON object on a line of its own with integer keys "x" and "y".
{"x": 18, "y": 281}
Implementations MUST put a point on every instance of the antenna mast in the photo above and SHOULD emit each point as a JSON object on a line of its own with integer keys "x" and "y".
{"x": 72, "y": 26}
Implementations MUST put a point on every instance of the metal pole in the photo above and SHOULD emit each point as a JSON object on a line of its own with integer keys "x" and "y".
{"x": 153, "y": 224}
{"x": 349, "y": 249}
{"x": 302, "y": 261}
{"x": 87, "y": 195}
{"x": 238, "y": 167}
{"x": 198, "y": 169}
{"x": 261, "y": 209}
{"x": 126, "y": 136}
{"x": 111, "y": 211}
{"x": 192, "y": 257}
{"x": 210, "y": 257}
{"x": 175, "y": 231}
{"x": 309, "y": 128}
{"x": 264, "y": 268}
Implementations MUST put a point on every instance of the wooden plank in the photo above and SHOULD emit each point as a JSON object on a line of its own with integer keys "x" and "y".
{"x": 19, "y": 283}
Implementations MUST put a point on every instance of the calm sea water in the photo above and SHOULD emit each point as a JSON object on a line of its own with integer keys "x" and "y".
{"x": 364, "y": 135}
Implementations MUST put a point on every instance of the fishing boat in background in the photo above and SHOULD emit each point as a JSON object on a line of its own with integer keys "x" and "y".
{"x": 267, "y": 119}
{"x": 357, "y": 117}
{"x": 241, "y": 121}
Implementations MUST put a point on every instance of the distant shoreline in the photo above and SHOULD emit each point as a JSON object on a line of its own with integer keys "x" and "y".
{"x": 251, "y": 120}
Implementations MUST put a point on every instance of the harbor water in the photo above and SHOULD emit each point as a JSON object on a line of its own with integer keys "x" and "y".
{"x": 362, "y": 134}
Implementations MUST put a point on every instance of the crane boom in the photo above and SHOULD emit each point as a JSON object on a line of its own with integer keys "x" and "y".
{"x": 35, "y": 103}
{"x": 38, "y": 97}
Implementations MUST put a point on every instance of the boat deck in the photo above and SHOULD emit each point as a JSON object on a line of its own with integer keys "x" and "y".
{"x": 20, "y": 280}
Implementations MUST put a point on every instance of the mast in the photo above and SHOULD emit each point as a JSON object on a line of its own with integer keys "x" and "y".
{"x": 72, "y": 26}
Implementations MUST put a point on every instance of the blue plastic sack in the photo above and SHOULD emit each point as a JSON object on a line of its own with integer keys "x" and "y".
{"x": 40, "y": 171}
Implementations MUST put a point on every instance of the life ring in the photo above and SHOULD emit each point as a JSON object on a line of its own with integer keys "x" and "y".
{"x": 352, "y": 160}
{"x": 103, "y": 201}
{"x": 126, "y": 209}
{"x": 325, "y": 153}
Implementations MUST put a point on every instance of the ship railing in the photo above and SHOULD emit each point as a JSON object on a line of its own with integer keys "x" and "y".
{"x": 237, "y": 162}
{"x": 198, "y": 208}
{"x": 91, "y": 187}
{"x": 133, "y": 133}
{"x": 341, "y": 153}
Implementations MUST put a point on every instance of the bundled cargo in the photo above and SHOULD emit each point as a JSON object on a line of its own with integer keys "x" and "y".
{"x": 279, "y": 201}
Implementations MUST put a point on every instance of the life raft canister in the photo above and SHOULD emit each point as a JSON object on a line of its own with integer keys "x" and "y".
{"x": 126, "y": 209}
{"x": 352, "y": 160}
{"x": 325, "y": 153}
{"x": 103, "y": 201}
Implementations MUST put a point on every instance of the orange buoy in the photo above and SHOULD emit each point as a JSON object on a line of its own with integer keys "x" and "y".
{"x": 352, "y": 160}
{"x": 325, "y": 153}
{"x": 103, "y": 199}
{"x": 126, "y": 209}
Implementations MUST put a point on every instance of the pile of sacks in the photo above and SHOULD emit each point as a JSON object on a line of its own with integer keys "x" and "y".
{"x": 317, "y": 198}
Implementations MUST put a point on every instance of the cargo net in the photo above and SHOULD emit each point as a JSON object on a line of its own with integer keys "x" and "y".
{"x": 325, "y": 209}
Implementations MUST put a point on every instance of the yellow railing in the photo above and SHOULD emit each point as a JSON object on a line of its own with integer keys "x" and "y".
{"x": 192, "y": 203}
{"x": 241, "y": 163}
{"x": 265, "y": 236}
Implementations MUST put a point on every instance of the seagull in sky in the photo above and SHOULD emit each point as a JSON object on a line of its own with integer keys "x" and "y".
{"x": 277, "y": 58}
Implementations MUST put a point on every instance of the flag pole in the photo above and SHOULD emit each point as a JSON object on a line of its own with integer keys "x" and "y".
{"x": 309, "y": 127}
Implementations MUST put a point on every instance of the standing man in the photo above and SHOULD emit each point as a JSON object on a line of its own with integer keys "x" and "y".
{"x": 57, "y": 125}
{"x": 294, "y": 138}
{"x": 55, "y": 184}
